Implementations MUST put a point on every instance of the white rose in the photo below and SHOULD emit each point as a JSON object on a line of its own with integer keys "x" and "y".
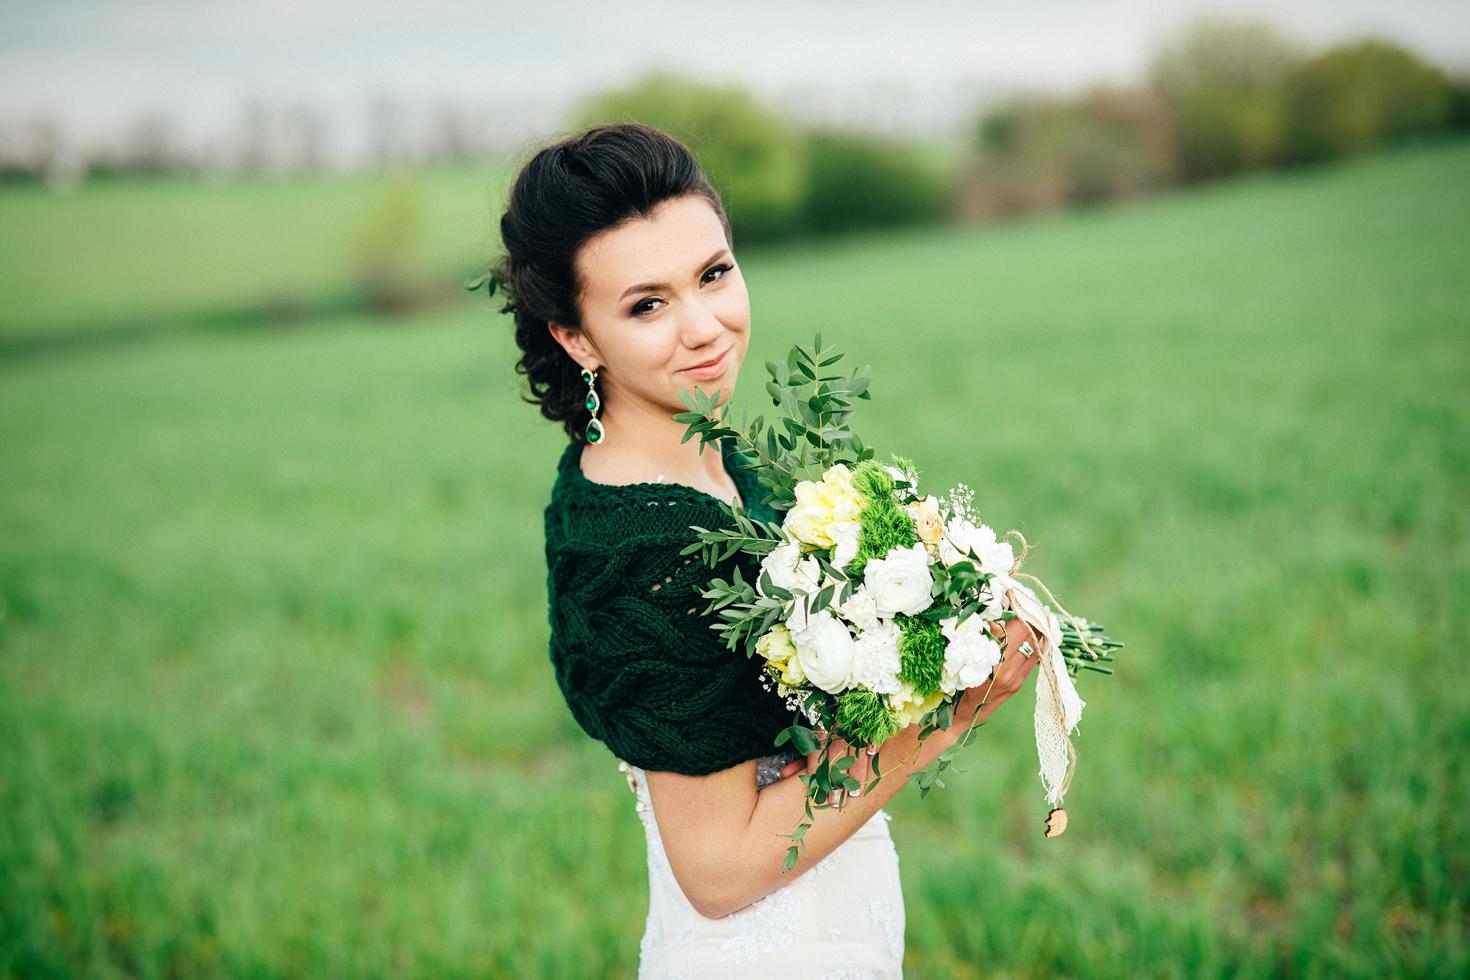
{"x": 900, "y": 581}
{"x": 878, "y": 658}
{"x": 825, "y": 652}
{"x": 970, "y": 654}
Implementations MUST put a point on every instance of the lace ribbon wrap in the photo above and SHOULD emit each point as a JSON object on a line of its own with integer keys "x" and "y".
{"x": 635, "y": 658}
{"x": 1058, "y": 706}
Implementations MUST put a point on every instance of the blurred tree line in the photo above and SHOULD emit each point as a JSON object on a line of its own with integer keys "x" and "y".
{"x": 778, "y": 179}
{"x": 1222, "y": 97}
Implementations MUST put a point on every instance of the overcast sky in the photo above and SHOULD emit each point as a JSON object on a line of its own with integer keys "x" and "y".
{"x": 95, "y": 63}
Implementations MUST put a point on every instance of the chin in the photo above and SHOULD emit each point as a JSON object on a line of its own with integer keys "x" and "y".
{"x": 727, "y": 383}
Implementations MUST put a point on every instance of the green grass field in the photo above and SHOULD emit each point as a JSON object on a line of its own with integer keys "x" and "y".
{"x": 274, "y": 696}
{"x": 142, "y": 251}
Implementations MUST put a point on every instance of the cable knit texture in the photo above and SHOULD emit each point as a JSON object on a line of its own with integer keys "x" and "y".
{"x": 637, "y": 662}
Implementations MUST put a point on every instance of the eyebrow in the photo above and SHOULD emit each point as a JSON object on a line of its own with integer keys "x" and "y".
{"x": 650, "y": 287}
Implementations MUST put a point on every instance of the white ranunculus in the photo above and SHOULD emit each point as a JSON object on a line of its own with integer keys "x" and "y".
{"x": 825, "y": 652}
{"x": 969, "y": 655}
{"x": 877, "y": 657}
{"x": 900, "y": 581}
{"x": 859, "y": 609}
{"x": 996, "y": 556}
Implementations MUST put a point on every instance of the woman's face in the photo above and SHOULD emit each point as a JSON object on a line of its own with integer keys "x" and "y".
{"x": 661, "y": 296}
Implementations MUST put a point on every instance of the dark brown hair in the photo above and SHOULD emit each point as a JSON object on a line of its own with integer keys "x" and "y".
{"x": 565, "y": 194}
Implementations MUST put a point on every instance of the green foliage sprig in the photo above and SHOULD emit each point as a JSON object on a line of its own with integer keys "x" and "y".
{"x": 811, "y": 434}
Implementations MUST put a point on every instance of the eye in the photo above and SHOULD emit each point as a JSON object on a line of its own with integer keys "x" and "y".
{"x": 642, "y": 309}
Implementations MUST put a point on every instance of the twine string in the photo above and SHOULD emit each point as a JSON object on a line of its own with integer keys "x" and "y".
{"x": 1050, "y": 674}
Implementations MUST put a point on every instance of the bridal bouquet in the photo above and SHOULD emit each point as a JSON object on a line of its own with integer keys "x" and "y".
{"x": 874, "y": 605}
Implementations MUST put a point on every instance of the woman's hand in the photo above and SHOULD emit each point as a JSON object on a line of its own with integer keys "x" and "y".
{"x": 1009, "y": 675}
{"x": 861, "y": 770}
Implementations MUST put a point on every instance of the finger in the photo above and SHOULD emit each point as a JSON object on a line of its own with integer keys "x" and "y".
{"x": 793, "y": 767}
{"x": 844, "y": 750}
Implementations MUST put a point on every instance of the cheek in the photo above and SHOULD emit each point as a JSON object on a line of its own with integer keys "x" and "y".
{"x": 656, "y": 347}
{"x": 734, "y": 306}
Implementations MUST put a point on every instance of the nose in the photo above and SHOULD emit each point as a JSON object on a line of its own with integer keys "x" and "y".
{"x": 701, "y": 326}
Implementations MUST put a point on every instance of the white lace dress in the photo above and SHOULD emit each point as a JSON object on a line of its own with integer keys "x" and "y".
{"x": 842, "y": 919}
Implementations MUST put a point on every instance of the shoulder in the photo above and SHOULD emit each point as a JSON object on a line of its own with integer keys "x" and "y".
{"x": 623, "y": 516}
{"x": 611, "y": 467}
{"x": 640, "y": 665}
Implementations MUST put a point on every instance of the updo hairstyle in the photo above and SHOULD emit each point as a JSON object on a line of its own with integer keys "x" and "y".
{"x": 565, "y": 194}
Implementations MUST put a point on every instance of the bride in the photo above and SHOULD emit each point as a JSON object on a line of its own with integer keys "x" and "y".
{"x": 619, "y": 271}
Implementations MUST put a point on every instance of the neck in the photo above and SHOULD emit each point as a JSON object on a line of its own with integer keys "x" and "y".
{"x": 647, "y": 436}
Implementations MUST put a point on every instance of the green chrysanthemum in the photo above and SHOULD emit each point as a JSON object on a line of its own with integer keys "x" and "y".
{"x": 872, "y": 479}
{"x": 920, "y": 653}
{"x": 884, "y": 525}
{"x": 864, "y": 717}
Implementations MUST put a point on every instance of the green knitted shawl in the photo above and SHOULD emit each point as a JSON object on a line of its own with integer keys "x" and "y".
{"x": 637, "y": 662}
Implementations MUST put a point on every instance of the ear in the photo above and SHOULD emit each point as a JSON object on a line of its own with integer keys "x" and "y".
{"x": 575, "y": 343}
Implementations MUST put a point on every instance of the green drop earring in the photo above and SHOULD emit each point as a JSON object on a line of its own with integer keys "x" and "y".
{"x": 593, "y": 403}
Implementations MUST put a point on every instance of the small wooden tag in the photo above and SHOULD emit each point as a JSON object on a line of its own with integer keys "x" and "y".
{"x": 1056, "y": 822}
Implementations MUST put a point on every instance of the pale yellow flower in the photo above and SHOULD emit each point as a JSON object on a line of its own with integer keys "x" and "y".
{"x": 821, "y": 503}
{"x": 927, "y": 522}
{"x": 775, "y": 645}
{"x": 791, "y": 674}
{"x": 908, "y": 707}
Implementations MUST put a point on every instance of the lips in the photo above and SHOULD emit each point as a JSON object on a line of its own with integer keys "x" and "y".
{"x": 709, "y": 363}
